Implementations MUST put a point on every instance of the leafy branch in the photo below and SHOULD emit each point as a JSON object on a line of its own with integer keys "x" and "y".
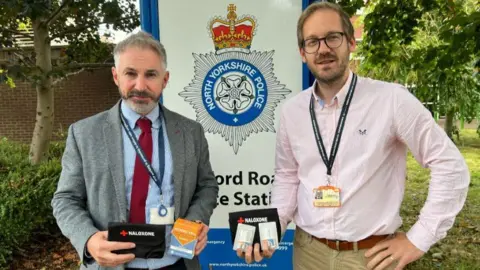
{"x": 56, "y": 13}
{"x": 87, "y": 26}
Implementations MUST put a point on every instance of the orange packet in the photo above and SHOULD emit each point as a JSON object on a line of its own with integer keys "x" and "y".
{"x": 184, "y": 238}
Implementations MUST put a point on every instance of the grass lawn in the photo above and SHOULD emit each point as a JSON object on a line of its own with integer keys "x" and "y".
{"x": 461, "y": 248}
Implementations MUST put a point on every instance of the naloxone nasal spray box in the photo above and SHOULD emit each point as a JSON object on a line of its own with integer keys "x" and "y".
{"x": 184, "y": 238}
{"x": 244, "y": 237}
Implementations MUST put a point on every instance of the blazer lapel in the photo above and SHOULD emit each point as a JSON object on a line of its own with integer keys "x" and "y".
{"x": 177, "y": 146}
{"x": 112, "y": 134}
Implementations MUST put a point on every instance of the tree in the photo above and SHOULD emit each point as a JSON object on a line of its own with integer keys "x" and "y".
{"x": 73, "y": 22}
{"x": 462, "y": 33}
{"x": 429, "y": 46}
{"x": 350, "y": 6}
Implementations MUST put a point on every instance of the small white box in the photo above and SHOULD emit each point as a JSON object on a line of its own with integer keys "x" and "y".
{"x": 268, "y": 232}
{"x": 244, "y": 237}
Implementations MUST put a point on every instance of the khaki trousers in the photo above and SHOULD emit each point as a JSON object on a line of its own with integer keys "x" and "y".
{"x": 310, "y": 254}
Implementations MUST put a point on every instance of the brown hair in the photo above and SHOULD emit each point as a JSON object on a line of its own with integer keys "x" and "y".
{"x": 345, "y": 18}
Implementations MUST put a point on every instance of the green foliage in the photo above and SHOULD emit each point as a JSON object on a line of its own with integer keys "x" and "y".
{"x": 5, "y": 78}
{"x": 430, "y": 46}
{"x": 25, "y": 192}
{"x": 393, "y": 20}
{"x": 75, "y": 23}
{"x": 350, "y": 6}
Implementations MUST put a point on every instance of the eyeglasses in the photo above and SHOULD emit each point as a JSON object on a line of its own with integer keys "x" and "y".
{"x": 332, "y": 40}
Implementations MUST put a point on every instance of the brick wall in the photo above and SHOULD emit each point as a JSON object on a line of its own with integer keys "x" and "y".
{"x": 358, "y": 28}
{"x": 77, "y": 97}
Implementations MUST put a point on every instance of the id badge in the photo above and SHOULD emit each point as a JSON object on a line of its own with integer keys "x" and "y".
{"x": 326, "y": 196}
{"x": 156, "y": 218}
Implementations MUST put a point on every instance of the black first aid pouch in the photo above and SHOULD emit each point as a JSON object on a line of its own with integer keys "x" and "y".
{"x": 149, "y": 239}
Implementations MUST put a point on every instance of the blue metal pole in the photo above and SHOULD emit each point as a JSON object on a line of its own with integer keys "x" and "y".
{"x": 145, "y": 17}
{"x": 149, "y": 20}
{"x": 154, "y": 19}
{"x": 307, "y": 77}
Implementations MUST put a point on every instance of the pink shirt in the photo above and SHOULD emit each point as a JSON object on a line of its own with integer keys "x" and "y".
{"x": 370, "y": 168}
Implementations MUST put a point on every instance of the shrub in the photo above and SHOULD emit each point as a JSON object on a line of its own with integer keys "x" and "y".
{"x": 25, "y": 194}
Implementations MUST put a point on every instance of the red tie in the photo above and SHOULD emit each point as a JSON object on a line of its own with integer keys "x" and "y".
{"x": 141, "y": 178}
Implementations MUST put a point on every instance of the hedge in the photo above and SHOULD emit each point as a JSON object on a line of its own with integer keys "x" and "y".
{"x": 25, "y": 194}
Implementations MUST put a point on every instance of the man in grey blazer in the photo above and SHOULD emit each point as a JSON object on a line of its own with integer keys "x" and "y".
{"x": 104, "y": 180}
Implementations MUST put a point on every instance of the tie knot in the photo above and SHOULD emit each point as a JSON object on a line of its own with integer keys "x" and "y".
{"x": 145, "y": 125}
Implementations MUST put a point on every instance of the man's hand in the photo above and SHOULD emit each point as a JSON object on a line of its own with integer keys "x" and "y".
{"x": 101, "y": 250}
{"x": 397, "y": 249}
{"x": 267, "y": 252}
{"x": 202, "y": 239}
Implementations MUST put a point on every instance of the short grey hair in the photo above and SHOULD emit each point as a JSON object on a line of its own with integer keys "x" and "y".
{"x": 142, "y": 40}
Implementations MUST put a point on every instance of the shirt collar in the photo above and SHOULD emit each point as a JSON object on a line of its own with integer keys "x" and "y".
{"x": 339, "y": 98}
{"x": 132, "y": 116}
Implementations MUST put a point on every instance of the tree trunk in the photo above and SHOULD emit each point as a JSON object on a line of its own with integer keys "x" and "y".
{"x": 44, "y": 115}
{"x": 449, "y": 123}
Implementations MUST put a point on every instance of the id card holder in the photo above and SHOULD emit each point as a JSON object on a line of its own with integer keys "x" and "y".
{"x": 326, "y": 196}
{"x": 156, "y": 218}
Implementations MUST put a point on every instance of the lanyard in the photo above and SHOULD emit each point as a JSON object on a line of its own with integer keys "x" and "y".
{"x": 338, "y": 133}
{"x": 141, "y": 154}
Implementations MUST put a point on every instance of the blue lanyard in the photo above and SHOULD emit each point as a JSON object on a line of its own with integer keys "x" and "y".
{"x": 161, "y": 154}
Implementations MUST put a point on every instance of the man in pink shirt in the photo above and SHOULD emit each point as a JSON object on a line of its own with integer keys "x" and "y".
{"x": 341, "y": 161}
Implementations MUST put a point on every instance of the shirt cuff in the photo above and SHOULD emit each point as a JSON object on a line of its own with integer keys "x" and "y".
{"x": 421, "y": 237}
{"x": 284, "y": 226}
{"x": 87, "y": 258}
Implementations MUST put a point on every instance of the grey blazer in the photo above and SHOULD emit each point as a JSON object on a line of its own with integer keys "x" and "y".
{"x": 91, "y": 190}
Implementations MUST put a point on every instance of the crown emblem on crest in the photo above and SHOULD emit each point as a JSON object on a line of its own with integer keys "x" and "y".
{"x": 234, "y": 91}
{"x": 232, "y": 33}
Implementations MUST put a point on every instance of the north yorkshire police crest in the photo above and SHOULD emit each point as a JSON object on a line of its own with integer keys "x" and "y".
{"x": 234, "y": 91}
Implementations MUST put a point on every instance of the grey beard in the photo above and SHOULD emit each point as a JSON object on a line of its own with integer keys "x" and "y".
{"x": 141, "y": 108}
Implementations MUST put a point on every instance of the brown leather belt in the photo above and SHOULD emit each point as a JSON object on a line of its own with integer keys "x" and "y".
{"x": 366, "y": 243}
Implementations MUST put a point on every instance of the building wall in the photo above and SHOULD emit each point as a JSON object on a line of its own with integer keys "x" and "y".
{"x": 77, "y": 97}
